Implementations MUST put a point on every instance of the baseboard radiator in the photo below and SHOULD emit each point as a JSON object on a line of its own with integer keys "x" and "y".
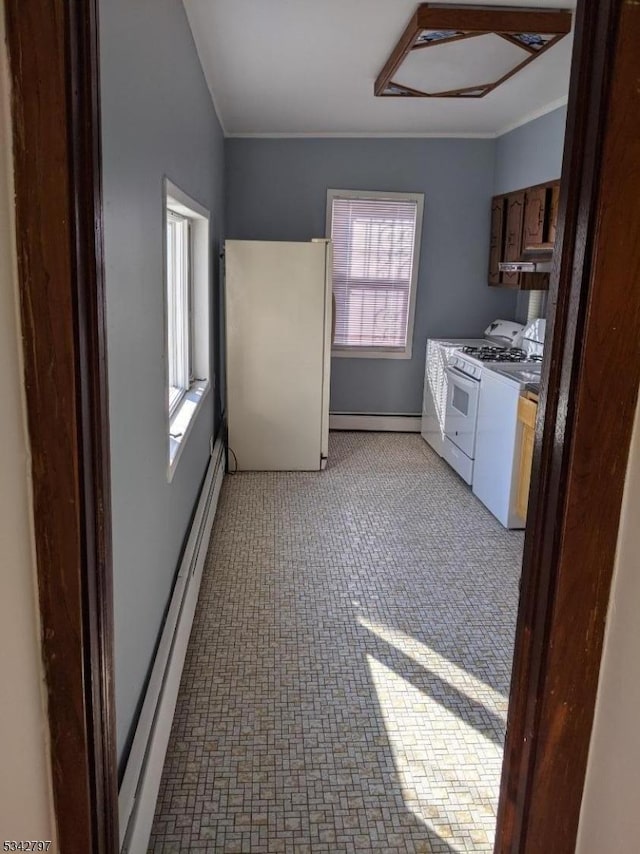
{"x": 141, "y": 781}
{"x": 379, "y": 423}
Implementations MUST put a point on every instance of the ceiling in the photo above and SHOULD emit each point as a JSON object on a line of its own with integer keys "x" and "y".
{"x": 307, "y": 68}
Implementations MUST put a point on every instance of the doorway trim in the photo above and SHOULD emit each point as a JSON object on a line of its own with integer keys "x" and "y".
{"x": 580, "y": 454}
{"x": 585, "y": 420}
{"x": 53, "y": 59}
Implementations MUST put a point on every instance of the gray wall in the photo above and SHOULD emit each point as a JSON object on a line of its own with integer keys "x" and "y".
{"x": 276, "y": 190}
{"x": 530, "y": 154}
{"x": 157, "y": 119}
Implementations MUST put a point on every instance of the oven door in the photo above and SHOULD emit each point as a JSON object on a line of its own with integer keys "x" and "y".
{"x": 461, "y": 413}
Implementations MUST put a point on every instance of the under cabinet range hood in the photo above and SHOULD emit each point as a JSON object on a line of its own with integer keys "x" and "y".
{"x": 534, "y": 259}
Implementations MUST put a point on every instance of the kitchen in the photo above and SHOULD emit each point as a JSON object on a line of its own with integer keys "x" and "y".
{"x": 480, "y": 396}
{"x": 356, "y": 570}
{"x": 473, "y": 421}
{"x": 465, "y": 377}
{"x": 450, "y": 537}
{"x": 302, "y": 639}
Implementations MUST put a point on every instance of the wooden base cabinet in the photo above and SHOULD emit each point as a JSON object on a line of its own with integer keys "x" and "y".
{"x": 527, "y": 410}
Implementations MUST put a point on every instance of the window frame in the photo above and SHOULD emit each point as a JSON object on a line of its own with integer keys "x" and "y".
{"x": 187, "y": 321}
{"x": 180, "y": 414}
{"x": 381, "y": 352}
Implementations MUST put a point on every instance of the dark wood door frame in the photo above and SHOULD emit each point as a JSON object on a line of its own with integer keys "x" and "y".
{"x": 53, "y": 55}
{"x": 590, "y": 389}
{"x": 590, "y": 386}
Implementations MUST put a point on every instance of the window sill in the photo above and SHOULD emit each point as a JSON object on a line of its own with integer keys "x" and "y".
{"x": 182, "y": 421}
{"x": 371, "y": 353}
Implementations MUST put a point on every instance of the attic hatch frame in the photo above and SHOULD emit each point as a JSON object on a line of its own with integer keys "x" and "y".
{"x": 455, "y": 23}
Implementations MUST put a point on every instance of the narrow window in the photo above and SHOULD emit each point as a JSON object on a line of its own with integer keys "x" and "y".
{"x": 376, "y": 247}
{"x": 187, "y": 308}
{"x": 179, "y": 303}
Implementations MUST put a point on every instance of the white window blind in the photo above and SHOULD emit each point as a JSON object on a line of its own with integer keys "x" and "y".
{"x": 375, "y": 243}
{"x": 178, "y": 306}
{"x": 187, "y": 285}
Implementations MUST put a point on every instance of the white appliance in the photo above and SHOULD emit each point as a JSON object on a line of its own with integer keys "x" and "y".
{"x": 498, "y": 439}
{"x": 460, "y": 416}
{"x": 466, "y": 370}
{"x": 278, "y": 345}
{"x": 440, "y": 351}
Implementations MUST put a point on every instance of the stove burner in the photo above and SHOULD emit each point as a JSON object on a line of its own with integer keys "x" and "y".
{"x": 484, "y": 350}
{"x": 499, "y": 354}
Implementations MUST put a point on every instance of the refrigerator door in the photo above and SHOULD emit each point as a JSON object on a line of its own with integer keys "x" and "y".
{"x": 277, "y": 362}
{"x": 328, "y": 342}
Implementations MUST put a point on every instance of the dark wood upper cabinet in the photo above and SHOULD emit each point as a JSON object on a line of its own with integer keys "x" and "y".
{"x": 497, "y": 240}
{"x": 520, "y": 220}
{"x": 535, "y": 212}
{"x": 513, "y": 235}
{"x": 553, "y": 213}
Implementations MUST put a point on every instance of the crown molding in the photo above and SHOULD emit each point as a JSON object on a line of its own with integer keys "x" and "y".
{"x": 529, "y": 117}
{"x": 362, "y": 135}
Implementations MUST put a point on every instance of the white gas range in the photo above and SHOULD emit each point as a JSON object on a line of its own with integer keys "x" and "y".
{"x": 453, "y": 378}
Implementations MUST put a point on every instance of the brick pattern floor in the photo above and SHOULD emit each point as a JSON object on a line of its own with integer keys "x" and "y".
{"x": 345, "y": 687}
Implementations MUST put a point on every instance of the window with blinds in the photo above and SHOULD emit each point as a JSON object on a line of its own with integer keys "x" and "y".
{"x": 376, "y": 244}
{"x": 178, "y": 307}
{"x": 187, "y": 313}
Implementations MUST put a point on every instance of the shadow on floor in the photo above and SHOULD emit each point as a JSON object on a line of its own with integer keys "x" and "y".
{"x": 345, "y": 684}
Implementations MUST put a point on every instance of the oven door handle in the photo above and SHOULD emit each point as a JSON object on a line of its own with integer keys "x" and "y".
{"x": 463, "y": 379}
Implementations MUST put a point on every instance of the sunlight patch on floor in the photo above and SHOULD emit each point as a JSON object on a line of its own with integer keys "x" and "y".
{"x": 440, "y": 759}
{"x": 447, "y": 670}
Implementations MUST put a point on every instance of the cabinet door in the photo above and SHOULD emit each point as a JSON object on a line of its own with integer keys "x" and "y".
{"x": 513, "y": 236}
{"x": 534, "y": 216}
{"x": 527, "y": 417}
{"x": 553, "y": 213}
{"x": 496, "y": 245}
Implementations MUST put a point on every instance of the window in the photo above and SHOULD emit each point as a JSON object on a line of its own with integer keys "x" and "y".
{"x": 179, "y": 302}
{"x": 187, "y": 247}
{"x": 376, "y": 245}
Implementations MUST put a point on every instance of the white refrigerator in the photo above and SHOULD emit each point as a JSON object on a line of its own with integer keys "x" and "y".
{"x": 278, "y": 354}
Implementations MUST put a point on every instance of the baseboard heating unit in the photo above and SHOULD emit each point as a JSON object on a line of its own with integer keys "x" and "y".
{"x": 393, "y": 423}
{"x": 141, "y": 781}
